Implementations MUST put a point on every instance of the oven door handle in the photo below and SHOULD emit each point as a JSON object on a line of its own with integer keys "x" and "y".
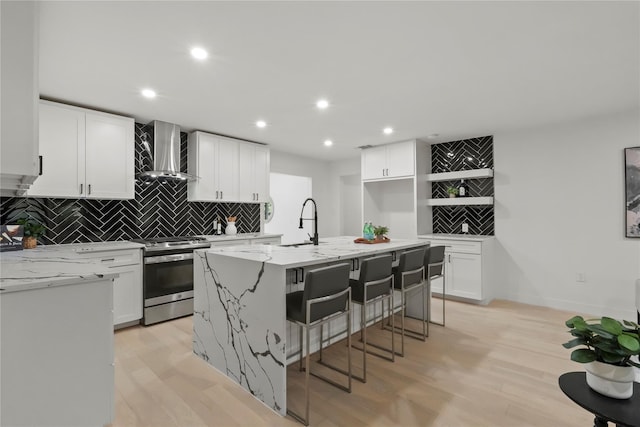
{"x": 168, "y": 258}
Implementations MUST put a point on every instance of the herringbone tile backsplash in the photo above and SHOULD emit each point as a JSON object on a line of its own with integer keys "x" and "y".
{"x": 160, "y": 209}
{"x": 474, "y": 153}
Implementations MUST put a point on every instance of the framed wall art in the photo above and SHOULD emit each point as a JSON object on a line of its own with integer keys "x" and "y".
{"x": 632, "y": 190}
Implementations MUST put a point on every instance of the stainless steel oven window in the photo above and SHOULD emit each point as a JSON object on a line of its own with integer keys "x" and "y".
{"x": 169, "y": 276}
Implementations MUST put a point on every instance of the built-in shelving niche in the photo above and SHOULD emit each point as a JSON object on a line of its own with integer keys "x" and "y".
{"x": 471, "y": 160}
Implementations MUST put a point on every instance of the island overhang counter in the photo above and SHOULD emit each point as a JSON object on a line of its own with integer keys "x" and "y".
{"x": 239, "y": 321}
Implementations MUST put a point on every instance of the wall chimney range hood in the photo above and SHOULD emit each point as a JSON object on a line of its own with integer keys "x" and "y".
{"x": 165, "y": 154}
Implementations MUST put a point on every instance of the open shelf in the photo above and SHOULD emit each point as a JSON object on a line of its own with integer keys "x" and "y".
{"x": 460, "y": 201}
{"x": 468, "y": 174}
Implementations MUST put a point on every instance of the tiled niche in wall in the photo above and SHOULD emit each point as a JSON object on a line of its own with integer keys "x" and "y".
{"x": 160, "y": 209}
{"x": 466, "y": 154}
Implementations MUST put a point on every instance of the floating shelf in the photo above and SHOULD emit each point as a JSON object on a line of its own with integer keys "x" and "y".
{"x": 460, "y": 201}
{"x": 468, "y": 174}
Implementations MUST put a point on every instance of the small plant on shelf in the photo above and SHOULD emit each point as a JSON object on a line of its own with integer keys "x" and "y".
{"x": 453, "y": 191}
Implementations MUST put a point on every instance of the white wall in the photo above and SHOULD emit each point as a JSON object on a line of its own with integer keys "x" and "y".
{"x": 559, "y": 211}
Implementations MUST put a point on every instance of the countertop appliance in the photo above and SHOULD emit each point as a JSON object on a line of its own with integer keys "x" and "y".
{"x": 168, "y": 277}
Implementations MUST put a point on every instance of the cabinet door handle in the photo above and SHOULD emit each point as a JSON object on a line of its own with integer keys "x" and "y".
{"x": 81, "y": 188}
{"x": 107, "y": 259}
{"x": 89, "y": 188}
{"x": 216, "y": 194}
{"x": 221, "y": 194}
{"x": 40, "y": 165}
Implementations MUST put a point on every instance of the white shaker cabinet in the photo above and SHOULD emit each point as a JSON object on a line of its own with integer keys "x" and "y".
{"x": 469, "y": 268}
{"x": 85, "y": 154}
{"x": 253, "y": 171}
{"x": 389, "y": 161}
{"x": 214, "y": 160}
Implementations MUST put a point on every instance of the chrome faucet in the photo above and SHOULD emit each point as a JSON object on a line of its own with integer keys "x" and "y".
{"x": 314, "y": 219}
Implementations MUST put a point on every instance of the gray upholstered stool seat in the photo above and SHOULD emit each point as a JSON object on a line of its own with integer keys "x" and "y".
{"x": 409, "y": 276}
{"x": 375, "y": 284}
{"x": 325, "y": 297}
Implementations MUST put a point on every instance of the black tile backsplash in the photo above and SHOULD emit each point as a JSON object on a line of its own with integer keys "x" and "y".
{"x": 466, "y": 154}
{"x": 160, "y": 209}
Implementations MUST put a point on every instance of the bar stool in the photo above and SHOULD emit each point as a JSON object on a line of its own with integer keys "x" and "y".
{"x": 326, "y": 296}
{"x": 409, "y": 276}
{"x": 434, "y": 269}
{"x": 374, "y": 284}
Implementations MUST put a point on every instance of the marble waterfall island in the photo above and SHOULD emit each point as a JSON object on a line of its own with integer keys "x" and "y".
{"x": 239, "y": 322}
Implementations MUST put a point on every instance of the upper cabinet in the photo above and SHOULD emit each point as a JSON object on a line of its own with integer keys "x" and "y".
{"x": 214, "y": 160}
{"x": 84, "y": 154}
{"x": 254, "y": 164}
{"x": 19, "y": 101}
{"x": 227, "y": 169}
{"x": 395, "y": 160}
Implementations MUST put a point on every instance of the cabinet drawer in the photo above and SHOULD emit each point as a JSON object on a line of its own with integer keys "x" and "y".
{"x": 115, "y": 258}
{"x": 459, "y": 246}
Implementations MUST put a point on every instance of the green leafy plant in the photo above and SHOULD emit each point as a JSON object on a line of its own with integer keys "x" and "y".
{"x": 606, "y": 340}
{"x": 452, "y": 190}
{"x": 380, "y": 230}
{"x": 31, "y": 227}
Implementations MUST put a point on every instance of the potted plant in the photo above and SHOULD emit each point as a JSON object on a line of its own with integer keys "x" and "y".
{"x": 379, "y": 231}
{"x": 608, "y": 346}
{"x": 32, "y": 229}
{"x": 453, "y": 191}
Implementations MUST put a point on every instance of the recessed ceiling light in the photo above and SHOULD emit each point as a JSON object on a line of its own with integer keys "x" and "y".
{"x": 322, "y": 104}
{"x": 148, "y": 93}
{"x": 387, "y": 131}
{"x": 328, "y": 143}
{"x": 199, "y": 53}
{"x": 261, "y": 123}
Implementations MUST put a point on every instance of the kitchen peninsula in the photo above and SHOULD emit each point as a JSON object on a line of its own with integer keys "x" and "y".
{"x": 239, "y": 322}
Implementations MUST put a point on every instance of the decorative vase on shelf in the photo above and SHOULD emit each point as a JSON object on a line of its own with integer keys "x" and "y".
{"x": 610, "y": 380}
{"x": 452, "y": 196}
{"x": 231, "y": 228}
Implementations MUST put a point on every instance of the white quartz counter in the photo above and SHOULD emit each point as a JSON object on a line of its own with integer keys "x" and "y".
{"x": 329, "y": 249}
{"x": 55, "y": 265}
{"x": 469, "y": 237}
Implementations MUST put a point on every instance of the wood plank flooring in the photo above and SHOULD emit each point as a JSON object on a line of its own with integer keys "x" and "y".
{"x": 495, "y": 365}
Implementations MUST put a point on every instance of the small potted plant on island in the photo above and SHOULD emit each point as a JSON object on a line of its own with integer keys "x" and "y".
{"x": 32, "y": 229}
{"x": 610, "y": 345}
{"x": 379, "y": 231}
{"x": 453, "y": 191}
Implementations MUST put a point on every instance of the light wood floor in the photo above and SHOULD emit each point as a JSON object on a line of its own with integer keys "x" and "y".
{"x": 495, "y": 365}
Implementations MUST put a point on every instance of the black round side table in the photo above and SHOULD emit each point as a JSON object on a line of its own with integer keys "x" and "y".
{"x": 623, "y": 412}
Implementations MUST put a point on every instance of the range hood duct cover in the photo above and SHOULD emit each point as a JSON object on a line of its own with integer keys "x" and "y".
{"x": 165, "y": 157}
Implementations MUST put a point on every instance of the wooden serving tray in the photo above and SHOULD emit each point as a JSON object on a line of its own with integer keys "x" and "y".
{"x": 371, "y": 242}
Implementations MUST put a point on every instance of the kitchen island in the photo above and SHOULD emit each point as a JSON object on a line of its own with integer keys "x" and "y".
{"x": 239, "y": 322}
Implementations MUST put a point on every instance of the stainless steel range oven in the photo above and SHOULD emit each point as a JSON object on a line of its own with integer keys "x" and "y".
{"x": 168, "y": 277}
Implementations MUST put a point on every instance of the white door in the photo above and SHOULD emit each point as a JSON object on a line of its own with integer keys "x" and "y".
{"x": 110, "y": 171}
{"x": 261, "y": 166}
{"x": 246, "y": 173}
{"x": 465, "y": 275}
{"x": 374, "y": 162}
{"x": 401, "y": 159}
{"x": 201, "y": 163}
{"x": 127, "y": 294}
{"x": 62, "y": 136}
{"x": 227, "y": 169}
{"x": 289, "y": 193}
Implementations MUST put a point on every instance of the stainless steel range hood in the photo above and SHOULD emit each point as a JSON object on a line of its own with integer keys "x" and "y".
{"x": 165, "y": 157}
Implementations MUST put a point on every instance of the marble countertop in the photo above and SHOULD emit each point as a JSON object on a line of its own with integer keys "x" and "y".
{"x": 55, "y": 265}
{"x": 471, "y": 237}
{"x": 329, "y": 249}
{"x": 239, "y": 236}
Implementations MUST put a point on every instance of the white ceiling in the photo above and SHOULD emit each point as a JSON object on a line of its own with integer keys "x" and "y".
{"x": 458, "y": 69}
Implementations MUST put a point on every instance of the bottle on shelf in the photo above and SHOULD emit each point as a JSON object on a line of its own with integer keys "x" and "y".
{"x": 463, "y": 190}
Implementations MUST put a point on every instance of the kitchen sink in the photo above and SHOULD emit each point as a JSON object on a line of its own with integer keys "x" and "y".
{"x": 295, "y": 245}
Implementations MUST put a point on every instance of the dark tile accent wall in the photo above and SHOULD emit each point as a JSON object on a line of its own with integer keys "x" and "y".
{"x": 466, "y": 154}
{"x": 160, "y": 209}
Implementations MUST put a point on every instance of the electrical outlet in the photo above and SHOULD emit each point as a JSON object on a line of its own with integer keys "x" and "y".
{"x": 581, "y": 277}
{"x": 465, "y": 228}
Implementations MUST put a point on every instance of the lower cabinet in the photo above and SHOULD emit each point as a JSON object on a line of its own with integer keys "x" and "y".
{"x": 57, "y": 355}
{"x": 468, "y": 268}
